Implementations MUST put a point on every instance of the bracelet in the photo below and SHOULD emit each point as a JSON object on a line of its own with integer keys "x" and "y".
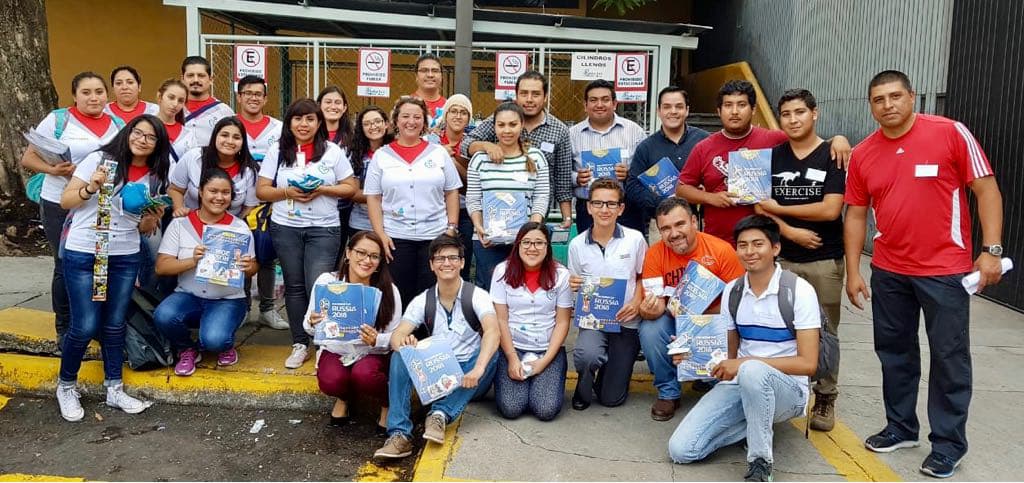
{"x": 86, "y": 188}
{"x": 84, "y": 198}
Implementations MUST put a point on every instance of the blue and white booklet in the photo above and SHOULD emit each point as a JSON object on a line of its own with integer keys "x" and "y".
{"x": 697, "y": 290}
{"x": 705, "y": 338}
{"x": 346, "y": 306}
{"x": 661, "y": 178}
{"x": 224, "y": 252}
{"x": 601, "y": 163}
{"x": 504, "y": 213}
{"x": 432, "y": 367}
{"x": 750, "y": 175}
{"x": 597, "y": 302}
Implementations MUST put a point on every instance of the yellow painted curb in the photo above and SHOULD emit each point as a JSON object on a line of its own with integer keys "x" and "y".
{"x": 33, "y": 331}
{"x": 27, "y": 477}
{"x": 434, "y": 459}
{"x": 844, "y": 450}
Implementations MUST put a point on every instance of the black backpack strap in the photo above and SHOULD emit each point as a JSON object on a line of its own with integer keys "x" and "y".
{"x": 735, "y": 295}
{"x": 430, "y": 310}
{"x": 467, "y": 306}
{"x": 787, "y": 297}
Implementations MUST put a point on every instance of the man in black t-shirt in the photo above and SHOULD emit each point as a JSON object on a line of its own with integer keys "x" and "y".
{"x": 807, "y": 202}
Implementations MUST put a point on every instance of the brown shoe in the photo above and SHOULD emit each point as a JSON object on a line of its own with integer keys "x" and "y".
{"x": 397, "y": 446}
{"x": 434, "y": 427}
{"x": 823, "y": 414}
{"x": 664, "y": 409}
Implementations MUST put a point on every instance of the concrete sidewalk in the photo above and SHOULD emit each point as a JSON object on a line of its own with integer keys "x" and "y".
{"x": 600, "y": 443}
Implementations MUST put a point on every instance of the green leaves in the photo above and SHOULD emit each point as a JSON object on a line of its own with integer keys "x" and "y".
{"x": 621, "y": 6}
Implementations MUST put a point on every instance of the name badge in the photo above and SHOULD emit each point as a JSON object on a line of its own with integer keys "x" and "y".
{"x": 926, "y": 170}
{"x": 547, "y": 147}
{"x": 815, "y": 175}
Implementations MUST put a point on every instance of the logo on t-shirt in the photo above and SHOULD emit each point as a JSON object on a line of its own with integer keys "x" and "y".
{"x": 787, "y": 176}
{"x": 722, "y": 166}
{"x": 899, "y": 150}
{"x": 796, "y": 187}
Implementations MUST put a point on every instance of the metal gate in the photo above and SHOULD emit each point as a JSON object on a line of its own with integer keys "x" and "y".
{"x": 300, "y": 66}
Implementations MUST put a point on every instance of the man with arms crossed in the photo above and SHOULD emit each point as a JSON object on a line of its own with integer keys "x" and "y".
{"x": 914, "y": 172}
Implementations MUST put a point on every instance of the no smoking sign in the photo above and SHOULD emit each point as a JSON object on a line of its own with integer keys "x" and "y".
{"x": 508, "y": 66}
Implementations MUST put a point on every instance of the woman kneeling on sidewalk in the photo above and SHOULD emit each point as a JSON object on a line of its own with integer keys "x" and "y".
{"x": 349, "y": 368}
{"x": 533, "y": 302}
{"x": 218, "y": 310}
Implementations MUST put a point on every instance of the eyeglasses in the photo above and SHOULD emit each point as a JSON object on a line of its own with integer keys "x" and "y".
{"x": 537, "y": 244}
{"x": 440, "y": 259}
{"x": 373, "y": 123}
{"x": 149, "y": 138}
{"x": 256, "y": 94}
{"x": 428, "y": 71}
{"x": 602, "y": 204}
{"x": 363, "y": 255}
{"x": 458, "y": 112}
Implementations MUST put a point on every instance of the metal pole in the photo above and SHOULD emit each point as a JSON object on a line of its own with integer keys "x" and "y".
{"x": 463, "y": 46}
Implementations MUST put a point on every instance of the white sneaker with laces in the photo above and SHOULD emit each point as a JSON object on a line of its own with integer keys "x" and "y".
{"x": 298, "y": 356}
{"x": 117, "y": 398}
{"x": 273, "y": 320}
{"x": 70, "y": 407}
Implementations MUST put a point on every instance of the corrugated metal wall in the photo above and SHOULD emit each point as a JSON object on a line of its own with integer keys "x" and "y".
{"x": 985, "y": 77}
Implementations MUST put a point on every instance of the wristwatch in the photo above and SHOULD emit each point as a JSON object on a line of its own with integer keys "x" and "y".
{"x": 994, "y": 250}
{"x": 454, "y": 227}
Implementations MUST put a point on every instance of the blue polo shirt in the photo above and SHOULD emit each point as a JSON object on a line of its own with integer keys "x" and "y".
{"x": 648, "y": 153}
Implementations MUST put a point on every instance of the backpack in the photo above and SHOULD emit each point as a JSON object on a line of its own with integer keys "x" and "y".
{"x": 828, "y": 343}
{"x": 34, "y": 186}
{"x": 430, "y": 309}
{"x": 144, "y": 346}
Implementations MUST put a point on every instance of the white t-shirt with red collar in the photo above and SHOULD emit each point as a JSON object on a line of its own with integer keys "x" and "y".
{"x": 180, "y": 241}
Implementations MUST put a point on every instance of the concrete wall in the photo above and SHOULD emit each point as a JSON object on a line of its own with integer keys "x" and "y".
{"x": 832, "y": 47}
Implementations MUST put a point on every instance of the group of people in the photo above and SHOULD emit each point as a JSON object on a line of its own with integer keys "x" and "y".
{"x": 399, "y": 206}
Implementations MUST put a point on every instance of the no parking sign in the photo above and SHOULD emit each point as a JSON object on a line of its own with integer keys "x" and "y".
{"x": 374, "y": 73}
{"x": 250, "y": 60}
{"x": 631, "y": 77}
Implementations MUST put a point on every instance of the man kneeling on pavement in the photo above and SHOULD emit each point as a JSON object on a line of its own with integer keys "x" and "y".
{"x": 765, "y": 378}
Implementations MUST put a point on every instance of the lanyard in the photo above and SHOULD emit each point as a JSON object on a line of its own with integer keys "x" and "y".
{"x": 448, "y": 313}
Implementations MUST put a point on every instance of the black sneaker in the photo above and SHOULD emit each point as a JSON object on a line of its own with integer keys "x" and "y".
{"x": 578, "y": 403}
{"x": 758, "y": 470}
{"x": 939, "y": 465}
{"x": 887, "y": 441}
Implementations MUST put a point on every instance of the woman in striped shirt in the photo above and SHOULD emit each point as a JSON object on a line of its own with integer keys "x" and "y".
{"x": 502, "y": 195}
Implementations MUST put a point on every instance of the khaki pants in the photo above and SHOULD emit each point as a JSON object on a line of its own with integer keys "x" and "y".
{"x": 826, "y": 276}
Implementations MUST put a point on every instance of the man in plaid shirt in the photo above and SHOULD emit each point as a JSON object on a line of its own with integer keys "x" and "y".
{"x": 542, "y": 130}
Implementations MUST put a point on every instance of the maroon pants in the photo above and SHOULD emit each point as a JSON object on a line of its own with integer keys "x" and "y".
{"x": 367, "y": 378}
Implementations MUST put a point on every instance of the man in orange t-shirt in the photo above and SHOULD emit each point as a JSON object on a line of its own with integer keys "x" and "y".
{"x": 664, "y": 265}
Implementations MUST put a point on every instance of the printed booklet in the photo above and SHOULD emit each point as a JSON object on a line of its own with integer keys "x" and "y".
{"x": 750, "y": 175}
{"x": 704, "y": 338}
{"x": 50, "y": 150}
{"x": 661, "y": 178}
{"x": 597, "y": 302}
{"x": 433, "y": 368}
{"x": 224, "y": 250}
{"x": 346, "y": 307}
{"x": 697, "y": 290}
{"x": 504, "y": 213}
{"x": 601, "y": 163}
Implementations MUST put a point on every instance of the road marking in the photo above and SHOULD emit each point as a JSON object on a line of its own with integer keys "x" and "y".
{"x": 844, "y": 450}
{"x": 372, "y": 472}
{"x": 3, "y": 400}
{"x": 27, "y": 477}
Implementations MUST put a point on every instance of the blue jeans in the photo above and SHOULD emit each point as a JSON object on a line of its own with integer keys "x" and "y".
{"x": 304, "y": 254}
{"x": 654, "y": 336}
{"x": 728, "y": 413}
{"x": 89, "y": 318}
{"x": 400, "y": 389}
{"x": 217, "y": 320}
{"x": 486, "y": 260}
{"x": 542, "y": 394}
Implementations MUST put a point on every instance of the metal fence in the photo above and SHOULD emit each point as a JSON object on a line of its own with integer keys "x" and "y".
{"x": 299, "y": 67}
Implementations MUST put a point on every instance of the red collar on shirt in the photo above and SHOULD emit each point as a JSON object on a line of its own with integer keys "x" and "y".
{"x": 136, "y": 173}
{"x": 409, "y": 154}
{"x": 127, "y": 116}
{"x": 173, "y": 131}
{"x": 254, "y": 129}
{"x": 197, "y": 224}
{"x": 194, "y": 105}
{"x": 233, "y": 170}
{"x": 532, "y": 280}
{"x": 97, "y": 125}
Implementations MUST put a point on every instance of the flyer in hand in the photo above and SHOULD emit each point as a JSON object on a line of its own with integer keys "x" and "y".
{"x": 504, "y": 213}
{"x": 597, "y": 302}
{"x": 750, "y": 175}
{"x": 601, "y": 163}
{"x": 661, "y": 178}
{"x": 346, "y": 307}
{"x": 433, "y": 368}
{"x": 50, "y": 150}
{"x": 705, "y": 337}
{"x": 220, "y": 263}
{"x": 697, "y": 290}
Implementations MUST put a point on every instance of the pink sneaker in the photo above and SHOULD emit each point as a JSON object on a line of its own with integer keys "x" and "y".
{"x": 228, "y": 357}
{"x": 187, "y": 360}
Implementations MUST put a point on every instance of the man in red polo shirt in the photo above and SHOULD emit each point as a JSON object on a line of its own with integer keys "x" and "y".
{"x": 913, "y": 172}
{"x": 704, "y": 177}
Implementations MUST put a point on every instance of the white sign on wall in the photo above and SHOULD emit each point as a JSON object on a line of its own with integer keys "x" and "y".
{"x": 508, "y": 66}
{"x": 631, "y": 77}
{"x": 592, "y": 66}
{"x": 374, "y": 73}
{"x": 250, "y": 60}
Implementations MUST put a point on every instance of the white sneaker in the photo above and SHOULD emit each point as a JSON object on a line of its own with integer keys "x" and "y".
{"x": 70, "y": 407}
{"x": 273, "y": 320}
{"x": 117, "y": 398}
{"x": 299, "y": 355}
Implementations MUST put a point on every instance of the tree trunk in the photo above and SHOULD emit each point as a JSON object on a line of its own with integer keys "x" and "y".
{"x": 27, "y": 84}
